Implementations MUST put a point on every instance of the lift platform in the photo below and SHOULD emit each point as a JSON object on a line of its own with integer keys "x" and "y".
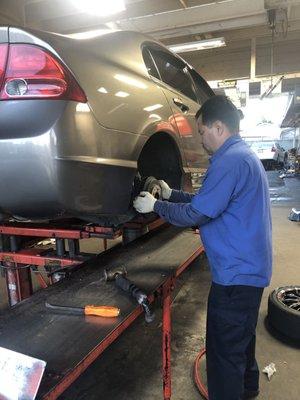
{"x": 21, "y": 255}
{"x": 69, "y": 343}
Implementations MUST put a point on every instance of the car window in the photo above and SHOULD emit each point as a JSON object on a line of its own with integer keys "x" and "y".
{"x": 203, "y": 90}
{"x": 150, "y": 65}
{"x": 174, "y": 72}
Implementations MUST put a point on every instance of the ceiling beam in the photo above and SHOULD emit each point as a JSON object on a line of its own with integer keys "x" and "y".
{"x": 222, "y": 25}
{"x": 216, "y": 12}
{"x": 262, "y": 33}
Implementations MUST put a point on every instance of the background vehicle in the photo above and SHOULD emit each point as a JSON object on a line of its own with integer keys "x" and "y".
{"x": 83, "y": 119}
{"x": 269, "y": 151}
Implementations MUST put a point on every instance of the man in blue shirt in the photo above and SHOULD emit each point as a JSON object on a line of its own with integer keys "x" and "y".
{"x": 232, "y": 209}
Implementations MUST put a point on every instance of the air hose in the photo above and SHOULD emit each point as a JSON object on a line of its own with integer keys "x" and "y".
{"x": 197, "y": 377}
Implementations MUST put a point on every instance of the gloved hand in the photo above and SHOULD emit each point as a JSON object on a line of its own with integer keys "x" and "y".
{"x": 166, "y": 191}
{"x": 144, "y": 202}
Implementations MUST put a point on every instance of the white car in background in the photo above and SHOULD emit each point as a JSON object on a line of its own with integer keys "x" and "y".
{"x": 269, "y": 151}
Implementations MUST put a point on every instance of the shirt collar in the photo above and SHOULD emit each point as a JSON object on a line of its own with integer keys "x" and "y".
{"x": 229, "y": 142}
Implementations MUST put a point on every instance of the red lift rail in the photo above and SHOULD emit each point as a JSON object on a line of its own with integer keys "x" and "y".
{"x": 18, "y": 260}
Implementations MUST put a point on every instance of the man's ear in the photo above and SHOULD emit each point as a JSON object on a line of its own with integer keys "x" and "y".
{"x": 219, "y": 127}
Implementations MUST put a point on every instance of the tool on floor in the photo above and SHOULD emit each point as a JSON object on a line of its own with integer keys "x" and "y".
{"x": 119, "y": 276}
{"x": 99, "y": 311}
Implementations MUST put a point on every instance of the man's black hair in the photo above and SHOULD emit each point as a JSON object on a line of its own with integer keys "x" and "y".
{"x": 220, "y": 108}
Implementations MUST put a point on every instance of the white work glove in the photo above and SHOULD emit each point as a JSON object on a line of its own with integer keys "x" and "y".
{"x": 144, "y": 202}
{"x": 166, "y": 191}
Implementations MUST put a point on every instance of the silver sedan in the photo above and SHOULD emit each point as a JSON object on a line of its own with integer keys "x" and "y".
{"x": 86, "y": 120}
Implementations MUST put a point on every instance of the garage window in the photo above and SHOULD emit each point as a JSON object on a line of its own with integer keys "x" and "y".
{"x": 174, "y": 73}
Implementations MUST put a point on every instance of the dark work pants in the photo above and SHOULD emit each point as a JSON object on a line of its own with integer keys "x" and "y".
{"x": 230, "y": 341}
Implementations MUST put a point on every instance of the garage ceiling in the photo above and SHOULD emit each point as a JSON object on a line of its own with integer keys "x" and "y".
{"x": 240, "y": 22}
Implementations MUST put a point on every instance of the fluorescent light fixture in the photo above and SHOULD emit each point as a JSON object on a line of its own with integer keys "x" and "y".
{"x": 103, "y": 8}
{"x": 122, "y": 94}
{"x": 199, "y": 45}
{"x": 130, "y": 81}
{"x": 152, "y": 108}
{"x": 102, "y": 90}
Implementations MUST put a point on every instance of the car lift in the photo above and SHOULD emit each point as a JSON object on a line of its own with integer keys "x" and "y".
{"x": 18, "y": 262}
{"x": 153, "y": 262}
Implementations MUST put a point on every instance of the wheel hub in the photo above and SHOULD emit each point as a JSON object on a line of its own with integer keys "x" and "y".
{"x": 152, "y": 186}
{"x": 290, "y": 298}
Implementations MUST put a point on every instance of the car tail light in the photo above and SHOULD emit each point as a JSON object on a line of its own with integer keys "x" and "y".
{"x": 33, "y": 73}
{"x": 3, "y": 58}
{"x": 273, "y": 149}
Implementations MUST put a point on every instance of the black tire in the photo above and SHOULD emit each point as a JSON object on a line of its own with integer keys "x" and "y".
{"x": 284, "y": 310}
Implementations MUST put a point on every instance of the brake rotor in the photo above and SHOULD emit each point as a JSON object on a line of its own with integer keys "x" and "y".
{"x": 152, "y": 186}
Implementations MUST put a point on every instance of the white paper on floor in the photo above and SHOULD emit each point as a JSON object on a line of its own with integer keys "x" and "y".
{"x": 270, "y": 370}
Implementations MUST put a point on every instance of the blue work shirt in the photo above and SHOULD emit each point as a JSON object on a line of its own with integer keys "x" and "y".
{"x": 235, "y": 196}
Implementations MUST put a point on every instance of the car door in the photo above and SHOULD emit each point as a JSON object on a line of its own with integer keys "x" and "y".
{"x": 179, "y": 89}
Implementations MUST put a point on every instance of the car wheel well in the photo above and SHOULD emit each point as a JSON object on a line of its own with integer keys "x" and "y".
{"x": 160, "y": 157}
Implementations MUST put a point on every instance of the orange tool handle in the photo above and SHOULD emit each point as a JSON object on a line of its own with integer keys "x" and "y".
{"x": 102, "y": 311}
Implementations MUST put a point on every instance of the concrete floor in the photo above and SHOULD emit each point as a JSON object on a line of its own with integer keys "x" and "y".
{"x": 131, "y": 368}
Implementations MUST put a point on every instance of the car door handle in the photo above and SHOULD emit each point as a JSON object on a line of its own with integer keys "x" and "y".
{"x": 179, "y": 103}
